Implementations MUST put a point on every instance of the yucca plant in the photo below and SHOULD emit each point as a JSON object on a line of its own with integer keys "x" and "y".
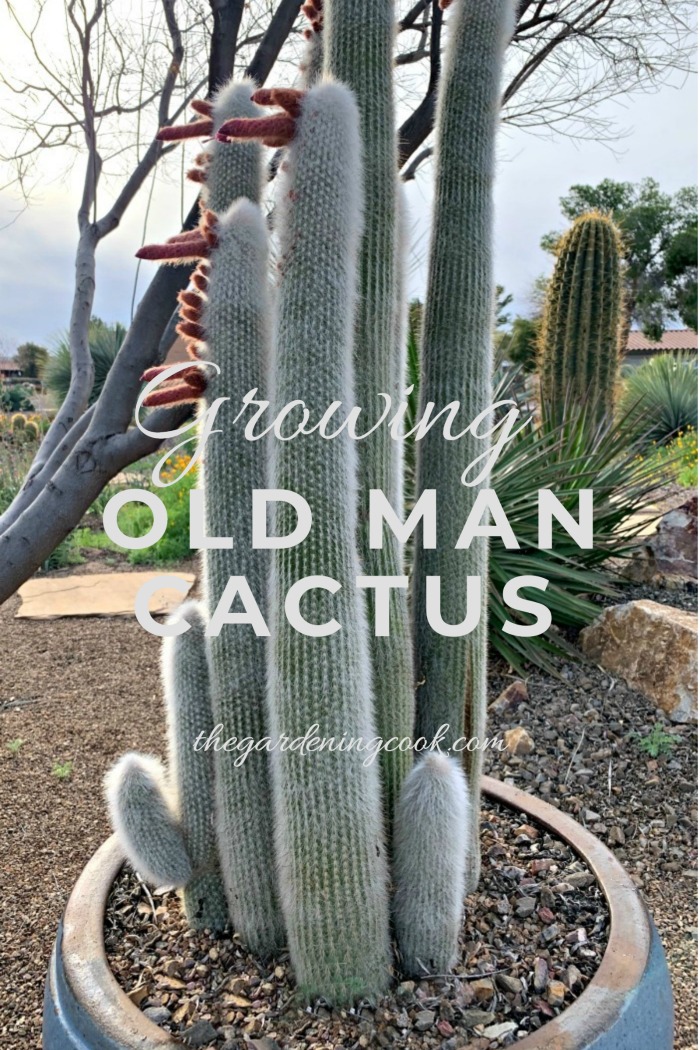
{"x": 661, "y": 396}
{"x": 105, "y": 341}
{"x": 565, "y": 455}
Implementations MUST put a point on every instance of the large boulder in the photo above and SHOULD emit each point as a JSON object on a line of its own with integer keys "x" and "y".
{"x": 675, "y": 545}
{"x": 653, "y": 648}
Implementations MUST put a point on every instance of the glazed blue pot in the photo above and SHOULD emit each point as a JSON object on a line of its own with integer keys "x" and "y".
{"x": 626, "y": 1006}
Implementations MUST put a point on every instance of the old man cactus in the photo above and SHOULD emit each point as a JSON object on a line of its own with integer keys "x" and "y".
{"x": 326, "y": 852}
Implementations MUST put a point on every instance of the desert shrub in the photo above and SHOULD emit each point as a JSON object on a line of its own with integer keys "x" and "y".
{"x": 661, "y": 396}
{"x": 15, "y": 397}
{"x": 680, "y": 456}
{"x": 136, "y": 519}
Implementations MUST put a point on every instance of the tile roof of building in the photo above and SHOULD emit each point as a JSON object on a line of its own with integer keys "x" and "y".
{"x": 674, "y": 339}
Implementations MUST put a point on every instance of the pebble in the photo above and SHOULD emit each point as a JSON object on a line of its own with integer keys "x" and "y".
{"x": 471, "y": 1018}
{"x": 497, "y": 1030}
{"x": 525, "y": 907}
{"x": 579, "y": 879}
{"x": 482, "y": 989}
{"x": 509, "y": 984}
{"x": 200, "y": 1034}
{"x": 556, "y": 991}
{"x": 424, "y": 1020}
{"x": 157, "y": 1014}
{"x": 541, "y": 974}
{"x": 518, "y": 741}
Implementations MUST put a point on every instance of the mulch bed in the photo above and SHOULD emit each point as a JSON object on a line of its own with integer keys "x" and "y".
{"x": 533, "y": 937}
{"x": 85, "y": 691}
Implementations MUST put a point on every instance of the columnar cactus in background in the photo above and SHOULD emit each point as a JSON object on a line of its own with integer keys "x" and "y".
{"x": 310, "y": 847}
{"x": 580, "y": 333}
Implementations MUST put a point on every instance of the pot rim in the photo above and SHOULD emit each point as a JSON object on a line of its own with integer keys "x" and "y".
{"x": 597, "y": 1008}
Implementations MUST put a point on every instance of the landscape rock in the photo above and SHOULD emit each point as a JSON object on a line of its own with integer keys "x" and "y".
{"x": 518, "y": 741}
{"x": 653, "y": 648}
{"x": 514, "y": 694}
{"x": 675, "y": 545}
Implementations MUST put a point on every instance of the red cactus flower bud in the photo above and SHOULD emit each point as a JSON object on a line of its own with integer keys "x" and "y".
{"x": 202, "y": 106}
{"x": 197, "y": 175}
{"x": 180, "y": 393}
{"x": 180, "y": 252}
{"x": 280, "y": 128}
{"x": 191, "y": 330}
{"x": 288, "y": 99}
{"x": 152, "y": 373}
{"x": 189, "y": 313}
{"x": 200, "y": 281}
{"x": 194, "y": 130}
{"x": 185, "y": 236}
{"x": 190, "y": 299}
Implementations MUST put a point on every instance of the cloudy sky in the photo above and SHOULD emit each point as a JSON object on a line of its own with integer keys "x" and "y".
{"x": 38, "y": 243}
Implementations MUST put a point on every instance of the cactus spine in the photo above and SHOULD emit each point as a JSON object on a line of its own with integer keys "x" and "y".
{"x": 456, "y": 366}
{"x": 433, "y": 818}
{"x": 359, "y": 48}
{"x": 190, "y": 772}
{"x": 328, "y": 814}
{"x": 579, "y": 336}
{"x": 142, "y": 813}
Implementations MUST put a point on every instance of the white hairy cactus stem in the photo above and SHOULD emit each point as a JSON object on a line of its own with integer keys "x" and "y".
{"x": 142, "y": 814}
{"x": 237, "y": 323}
{"x": 328, "y": 809}
{"x": 191, "y": 772}
{"x": 456, "y": 366}
{"x": 433, "y": 819}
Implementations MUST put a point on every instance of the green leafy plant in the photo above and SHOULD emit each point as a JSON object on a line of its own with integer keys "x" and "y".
{"x": 661, "y": 396}
{"x": 135, "y": 519}
{"x": 14, "y": 746}
{"x": 657, "y": 742}
{"x": 63, "y": 770}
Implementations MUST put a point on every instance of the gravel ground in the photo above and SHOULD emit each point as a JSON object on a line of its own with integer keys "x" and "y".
{"x": 85, "y": 691}
{"x": 534, "y": 935}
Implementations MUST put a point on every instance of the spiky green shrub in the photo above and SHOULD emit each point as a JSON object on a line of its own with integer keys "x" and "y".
{"x": 579, "y": 337}
{"x": 566, "y": 455}
{"x": 661, "y": 396}
{"x": 104, "y": 341}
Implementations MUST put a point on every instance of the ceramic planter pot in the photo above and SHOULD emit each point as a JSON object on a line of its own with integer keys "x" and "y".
{"x": 626, "y": 1006}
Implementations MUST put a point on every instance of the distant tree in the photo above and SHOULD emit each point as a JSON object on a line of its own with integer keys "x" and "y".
{"x": 659, "y": 232}
{"x": 521, "y": 346}
{"x": 31, "y": 358}
{"x": 503, "y": 301}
